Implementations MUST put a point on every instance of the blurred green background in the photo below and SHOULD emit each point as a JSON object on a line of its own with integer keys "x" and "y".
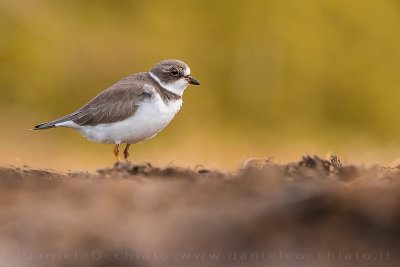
{"x": 278, "y": 78}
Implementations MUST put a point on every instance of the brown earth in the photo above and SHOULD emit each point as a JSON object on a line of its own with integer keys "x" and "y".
{"x": 310, "y": 213}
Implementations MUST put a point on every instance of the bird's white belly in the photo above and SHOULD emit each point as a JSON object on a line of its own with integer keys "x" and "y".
{"x": 151, "y": 117}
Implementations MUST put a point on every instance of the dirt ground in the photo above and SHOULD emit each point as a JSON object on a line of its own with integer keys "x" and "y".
{"x": 309, "y": 213}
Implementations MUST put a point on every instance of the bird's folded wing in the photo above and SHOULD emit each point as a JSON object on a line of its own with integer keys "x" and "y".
{"x": 117, "y": 103}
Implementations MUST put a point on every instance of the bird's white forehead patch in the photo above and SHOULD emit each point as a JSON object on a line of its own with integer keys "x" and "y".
{"x": 186, "y": 72}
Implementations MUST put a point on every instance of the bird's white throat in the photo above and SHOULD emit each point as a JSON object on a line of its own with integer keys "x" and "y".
{"x": 177, "y": 87}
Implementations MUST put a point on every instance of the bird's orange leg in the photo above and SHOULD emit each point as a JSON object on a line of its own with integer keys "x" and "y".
{"x": 126, "y": 153}
{"x": 116, "y": 152}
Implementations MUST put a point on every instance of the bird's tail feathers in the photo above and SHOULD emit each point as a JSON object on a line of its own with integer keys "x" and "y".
{"x": 52, "y": 124}
{"x": 46, "y": 125}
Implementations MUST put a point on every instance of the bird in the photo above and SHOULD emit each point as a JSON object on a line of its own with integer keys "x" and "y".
{"x": 132, "y": 110}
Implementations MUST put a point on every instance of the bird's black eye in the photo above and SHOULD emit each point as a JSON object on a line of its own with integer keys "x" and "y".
{"x": 174, "y": 72}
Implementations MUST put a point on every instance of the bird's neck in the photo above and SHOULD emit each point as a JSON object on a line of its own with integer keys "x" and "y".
{"x": 177, "y": 87}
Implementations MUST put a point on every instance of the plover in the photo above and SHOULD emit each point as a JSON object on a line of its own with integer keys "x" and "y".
{"x": 134, "y": 109}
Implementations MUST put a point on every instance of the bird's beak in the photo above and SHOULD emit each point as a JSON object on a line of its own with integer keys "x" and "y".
{"x": 192, "y": 80}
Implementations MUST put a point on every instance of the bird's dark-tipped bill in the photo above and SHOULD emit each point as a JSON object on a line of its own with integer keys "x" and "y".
{"x": 192, "y": 80}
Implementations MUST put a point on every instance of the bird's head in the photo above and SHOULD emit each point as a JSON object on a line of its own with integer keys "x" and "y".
{"x": 173, "y": 75}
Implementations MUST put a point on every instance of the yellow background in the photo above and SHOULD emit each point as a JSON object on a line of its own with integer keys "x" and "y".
{"x": 278, "y": 78}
